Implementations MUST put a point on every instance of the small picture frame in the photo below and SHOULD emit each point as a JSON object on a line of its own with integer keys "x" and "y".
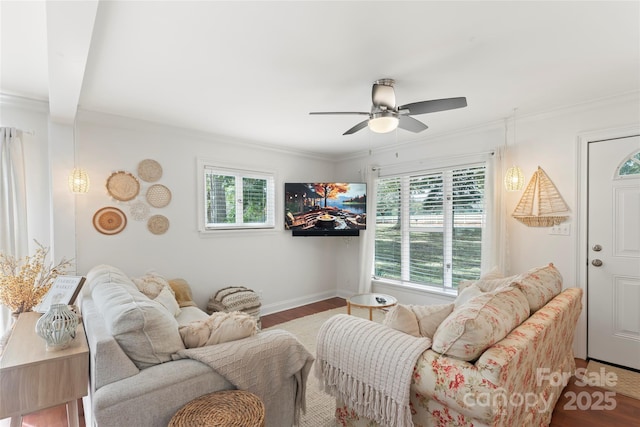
{"x": 64, "y": 290}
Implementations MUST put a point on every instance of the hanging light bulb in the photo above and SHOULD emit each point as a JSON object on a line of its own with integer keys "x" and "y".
{"x": 514, "y": 178}
{"x": 78, "y": 179}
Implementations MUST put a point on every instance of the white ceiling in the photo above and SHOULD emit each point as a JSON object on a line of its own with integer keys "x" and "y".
{"x": 254, "y": 70}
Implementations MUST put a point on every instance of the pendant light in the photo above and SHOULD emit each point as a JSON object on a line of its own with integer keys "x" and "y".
{"x": 514, "y": 178}
{"x": 78, "y": 179}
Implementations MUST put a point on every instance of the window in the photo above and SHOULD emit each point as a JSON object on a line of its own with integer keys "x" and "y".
{"x": 429, "y": 226}
{"x": 631, "y": 166}
{"x": 235, "y": 199}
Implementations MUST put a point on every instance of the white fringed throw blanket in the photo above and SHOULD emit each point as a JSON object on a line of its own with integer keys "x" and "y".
{"x": 369, "y": 366}
{"x": 260, "y": 364}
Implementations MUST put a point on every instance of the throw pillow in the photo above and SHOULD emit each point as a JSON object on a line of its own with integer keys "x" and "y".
{"x": 150, "y": 284}
{"x": 183, "y": 292}
{"x": 401, "y": 318}
{"x": 167, "y": 298}
{"x": 540, "y": 285}
{"x": 494, "y": 273}
{"x": 488, "y": 285}
{"x": 218, "y": 328}
{"x": 480, "y": 323}
{"x": 430, "y": 316}
{"x": 466, "y": 294}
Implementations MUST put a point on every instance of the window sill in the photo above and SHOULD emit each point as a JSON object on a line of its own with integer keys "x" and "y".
{"x": 418, "y": 289}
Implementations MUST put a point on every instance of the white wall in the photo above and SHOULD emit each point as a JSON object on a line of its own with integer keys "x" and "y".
{"x": 287, "y": 271}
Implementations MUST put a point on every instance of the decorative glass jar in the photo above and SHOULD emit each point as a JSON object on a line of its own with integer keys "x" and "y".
{"x": 57, "y": 327}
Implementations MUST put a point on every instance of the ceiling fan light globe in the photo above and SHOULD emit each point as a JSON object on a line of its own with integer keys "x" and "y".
{"x": 383, "y": 124}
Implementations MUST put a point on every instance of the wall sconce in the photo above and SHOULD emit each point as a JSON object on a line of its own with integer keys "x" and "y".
{"x": 79, "y": 181}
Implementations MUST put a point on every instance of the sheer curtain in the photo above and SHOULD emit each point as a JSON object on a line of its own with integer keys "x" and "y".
{"x": 13, "y": 204}
{"x": 368, "y": 241}
{"x": 494, "y": 238}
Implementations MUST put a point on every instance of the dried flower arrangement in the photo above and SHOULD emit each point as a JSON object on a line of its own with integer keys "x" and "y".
{"x": 24, "y": 282}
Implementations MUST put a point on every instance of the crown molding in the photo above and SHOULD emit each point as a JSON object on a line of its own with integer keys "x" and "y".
{"x": 631, "y": 96}
{"x": 15, "y": 101}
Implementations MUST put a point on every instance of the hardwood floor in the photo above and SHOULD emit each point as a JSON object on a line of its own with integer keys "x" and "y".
{"x": 625, "y": 413}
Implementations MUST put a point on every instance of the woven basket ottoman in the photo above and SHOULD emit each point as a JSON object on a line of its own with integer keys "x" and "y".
{"x": 229, "y": 408}
{"x": 236, "y": 298}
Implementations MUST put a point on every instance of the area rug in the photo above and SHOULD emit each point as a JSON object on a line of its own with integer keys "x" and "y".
{"x": 320, "y": 406}
{"x": 627, "y": 382}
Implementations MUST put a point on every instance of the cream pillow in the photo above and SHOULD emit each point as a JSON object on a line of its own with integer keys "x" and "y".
{"x": 401, "y": 318}
{"x": 151, "y": 284}
{"x": 466, "y": 294}
{"x": 430, "y": 316}
{"x": 540, "y": 285}
{"x": 168, "y": 301}
{"x": 494, "y": 273}
{"x": 480, "y": 323}
{"x": 220, "y": 327}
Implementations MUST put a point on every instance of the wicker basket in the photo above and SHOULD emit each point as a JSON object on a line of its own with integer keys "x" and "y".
{"x": 230, "y": 408}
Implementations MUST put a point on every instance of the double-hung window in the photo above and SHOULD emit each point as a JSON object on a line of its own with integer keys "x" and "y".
{"x": 237, "y": 199}
{"x": 429, "y": 224}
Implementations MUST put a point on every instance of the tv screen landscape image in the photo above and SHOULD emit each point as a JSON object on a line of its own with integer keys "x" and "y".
{"x": 325, "y": 208}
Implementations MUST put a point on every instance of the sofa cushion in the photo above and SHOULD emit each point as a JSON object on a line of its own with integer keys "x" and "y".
{"x": 540, "y": 285}
{"x": 481, "y": 322}
{"x": 401, "y": 318}
{"x": 218, "y": 328}
{"x": 143, "y": 328}
{"x": 430, "y": 317}
{"x": 183, "y": 292}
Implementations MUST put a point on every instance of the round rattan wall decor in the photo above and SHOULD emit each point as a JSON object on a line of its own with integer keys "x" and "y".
{"x": 139, "y": 211}
{"x": 149, "y": 170}
{"x": 158, "y": 224}
{"x": 123, "y": 186}
{"x": 158, "y": 196}
{"x": 109, "y": 220}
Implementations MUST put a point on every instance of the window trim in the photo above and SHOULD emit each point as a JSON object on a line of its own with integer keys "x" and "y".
{"x": 404, "y": 172}
{"x": 204, "y": 165}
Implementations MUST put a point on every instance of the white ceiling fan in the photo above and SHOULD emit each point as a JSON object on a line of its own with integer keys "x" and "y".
{"x": 385, "y": 116}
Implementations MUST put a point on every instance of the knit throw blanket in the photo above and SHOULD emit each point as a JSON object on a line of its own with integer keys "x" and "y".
{"x": 369, "y": 367}
{"x": 260, "y": 364}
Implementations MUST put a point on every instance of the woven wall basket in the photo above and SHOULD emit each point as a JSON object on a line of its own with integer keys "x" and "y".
{"x": 149, "y": 170}
{"x": 158, "y": 224}
{"x": 158, "y": 196}
{"x": 123, "y": 186}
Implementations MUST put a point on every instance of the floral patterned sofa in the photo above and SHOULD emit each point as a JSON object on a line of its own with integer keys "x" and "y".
{"x": 509, "y": 378}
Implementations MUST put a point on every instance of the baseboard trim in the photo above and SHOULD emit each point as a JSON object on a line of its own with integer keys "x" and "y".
{"x": 296, "y": 302}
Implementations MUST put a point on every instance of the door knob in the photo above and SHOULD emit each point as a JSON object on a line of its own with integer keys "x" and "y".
{"x": 596, "y": 263}
{"x": 597, "y": 248}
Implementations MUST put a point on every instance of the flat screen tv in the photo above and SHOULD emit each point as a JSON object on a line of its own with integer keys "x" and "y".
{"x": 325, "y": 208}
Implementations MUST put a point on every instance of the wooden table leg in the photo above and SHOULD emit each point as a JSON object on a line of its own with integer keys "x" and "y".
{"x": 348, "y": 307}
{"x": 370, "y": 313}
{"x": 72, "y": 413}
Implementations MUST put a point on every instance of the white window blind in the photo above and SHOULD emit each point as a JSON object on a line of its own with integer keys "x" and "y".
{"x": 429, "y": 226}
{"x": 238, "y": 199}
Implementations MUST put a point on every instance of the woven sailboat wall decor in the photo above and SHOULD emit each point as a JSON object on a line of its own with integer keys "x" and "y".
{"x": 541, "y": 205}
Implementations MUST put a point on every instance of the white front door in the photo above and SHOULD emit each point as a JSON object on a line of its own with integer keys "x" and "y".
{"x": 613, "y": 278}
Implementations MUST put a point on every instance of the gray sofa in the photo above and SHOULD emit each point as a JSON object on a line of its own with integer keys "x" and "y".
{"x": 134, "y": 381}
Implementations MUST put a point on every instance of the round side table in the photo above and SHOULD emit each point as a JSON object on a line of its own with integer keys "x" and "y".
{"x": 371, "y": 301}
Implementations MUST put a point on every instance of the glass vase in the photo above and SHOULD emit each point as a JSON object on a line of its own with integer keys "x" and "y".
{"x": 57, "y": 327}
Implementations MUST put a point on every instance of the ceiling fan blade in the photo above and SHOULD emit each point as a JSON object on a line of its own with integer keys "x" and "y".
{"x": 434, "y": 105}
{"x": 339, "y": 112}
{"x": 411, "y": 124}
{"x": 357, "y": 127}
